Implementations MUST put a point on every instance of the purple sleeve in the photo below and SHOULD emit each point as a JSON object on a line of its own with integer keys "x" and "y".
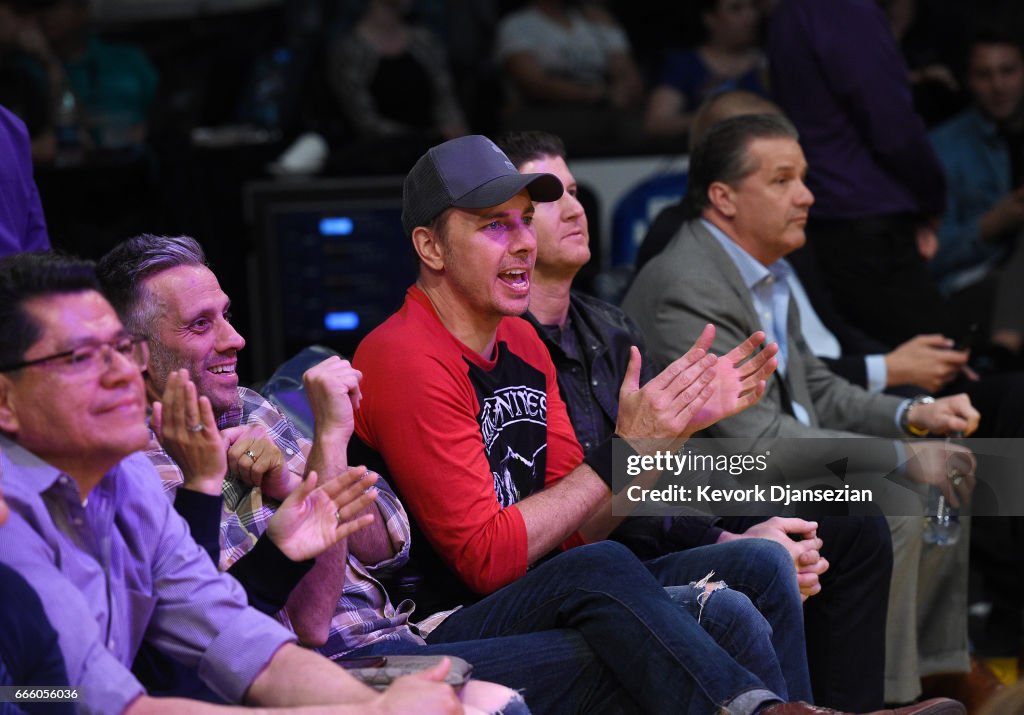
{"x": 683, "y": 72}
{"x": 201, "y": 616}
{"x": 22, "y": 225}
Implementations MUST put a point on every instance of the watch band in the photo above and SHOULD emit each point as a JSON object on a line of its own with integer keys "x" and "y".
{"x": 905, "y": 423}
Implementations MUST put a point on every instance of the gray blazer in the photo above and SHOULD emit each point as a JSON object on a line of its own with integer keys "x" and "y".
{"x": 695, "y": 282}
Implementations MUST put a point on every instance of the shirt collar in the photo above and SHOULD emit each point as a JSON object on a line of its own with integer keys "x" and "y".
{"x": 751, "y": 270}
{"x": 233, "y": 416}
{"x": 30, "y": 471}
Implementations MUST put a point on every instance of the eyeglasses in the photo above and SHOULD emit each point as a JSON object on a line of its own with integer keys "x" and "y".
{"x": 92, "y": 358}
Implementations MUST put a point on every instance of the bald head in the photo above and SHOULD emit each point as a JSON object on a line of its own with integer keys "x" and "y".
{"x": 724, "y": 105}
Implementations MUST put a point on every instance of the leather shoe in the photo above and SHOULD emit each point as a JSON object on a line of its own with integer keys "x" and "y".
{"x": 973, "y": 688}
{"x": 935, "y": 706}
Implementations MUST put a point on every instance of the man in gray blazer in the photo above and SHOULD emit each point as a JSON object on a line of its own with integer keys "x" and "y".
{"x": 725, "y": 267}
{"x": 749, "y": 206}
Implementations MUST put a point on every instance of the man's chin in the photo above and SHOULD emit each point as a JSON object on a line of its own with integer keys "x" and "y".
{"x": 223, "y": 399}
{"x": 517, "y": 309}
{"x": 140, "y": 442}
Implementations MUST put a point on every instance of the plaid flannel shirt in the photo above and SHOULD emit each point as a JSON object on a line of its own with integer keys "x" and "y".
{"x": 364, "y": 613}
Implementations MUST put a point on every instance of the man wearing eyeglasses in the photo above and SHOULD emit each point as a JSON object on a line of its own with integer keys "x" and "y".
{"x": 92, "y": 533}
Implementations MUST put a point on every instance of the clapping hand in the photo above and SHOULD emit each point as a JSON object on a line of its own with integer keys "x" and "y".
{"x": 740, "y": 379}
{"x": 185, "y": 427}
{"x": 314, "y": 518}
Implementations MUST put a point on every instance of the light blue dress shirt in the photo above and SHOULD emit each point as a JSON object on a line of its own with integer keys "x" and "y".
{"x": 769, "y": 289}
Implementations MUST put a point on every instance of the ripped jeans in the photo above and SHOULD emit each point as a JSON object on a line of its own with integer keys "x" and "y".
{"x": 663, "y": 660}
{"x": 768, "y": 642}
{"x": 744, "y": 634}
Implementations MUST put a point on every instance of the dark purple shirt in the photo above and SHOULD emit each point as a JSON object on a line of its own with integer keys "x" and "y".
{"x": 22, "y": 226}
{"x": 839, "y": 76}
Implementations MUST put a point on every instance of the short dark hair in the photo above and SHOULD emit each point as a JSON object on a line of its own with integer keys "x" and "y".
{"x": 25, "y": 276}
{"x": 721, "y": 155}
{"x": 439, "y": 225}
{"x": 523, "y": 146}
{"x": 127, "y": 266}
{"x": 992, "y": 32}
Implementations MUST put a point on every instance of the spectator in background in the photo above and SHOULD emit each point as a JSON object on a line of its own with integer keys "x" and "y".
{"x": 728, "y": 58}
{"x": 30, "y": 76}
{"x": 712, "y": 110}
{"x": 113, "y": 85}
{"x": 838, "y": 75}
{"x": 392, "y": 78}
{"x": 22, "y": 225}
{"x": 924, "y": 38}
{"x": 571, "y": 69}
{"x": 982, "y": 150}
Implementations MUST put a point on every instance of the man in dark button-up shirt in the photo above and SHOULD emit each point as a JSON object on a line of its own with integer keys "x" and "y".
{"x": 589, "y": 341}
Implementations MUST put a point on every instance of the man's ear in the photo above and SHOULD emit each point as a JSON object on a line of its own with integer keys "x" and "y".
{"x": 8, "y": 406}
{"x": 720, "y": 194}
{"x": 428, "y": 248}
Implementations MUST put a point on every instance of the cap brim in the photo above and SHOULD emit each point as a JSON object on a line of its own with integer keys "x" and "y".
{"x": 542, "y": 187}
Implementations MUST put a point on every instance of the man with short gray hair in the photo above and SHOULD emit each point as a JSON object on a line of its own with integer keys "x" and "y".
{"x": 167, "y": 294}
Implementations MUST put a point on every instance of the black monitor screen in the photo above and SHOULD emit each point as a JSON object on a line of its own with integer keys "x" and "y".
{"x": 333, "y": 271}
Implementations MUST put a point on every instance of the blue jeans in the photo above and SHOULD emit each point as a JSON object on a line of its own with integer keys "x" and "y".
{"x": 656, "y": 650}
{"x": 759, "y": 571}
{"x": 555, "y": 670}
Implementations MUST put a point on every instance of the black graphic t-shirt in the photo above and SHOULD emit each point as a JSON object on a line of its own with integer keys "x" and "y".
{"x": 513, "y": 420}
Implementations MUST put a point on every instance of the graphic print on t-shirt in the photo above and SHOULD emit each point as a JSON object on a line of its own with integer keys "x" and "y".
{"x": 513, "y": 420}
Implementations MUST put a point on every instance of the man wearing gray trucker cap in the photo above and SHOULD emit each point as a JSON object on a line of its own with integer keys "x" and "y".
{"x": 461, "y": 410}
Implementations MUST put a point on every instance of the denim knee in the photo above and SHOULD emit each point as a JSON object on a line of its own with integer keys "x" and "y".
{"x": 603, "y": 550}
{"x": 595, "y": 559}
{"x": 735, "y": 614}
{"x": 772, "y": 555}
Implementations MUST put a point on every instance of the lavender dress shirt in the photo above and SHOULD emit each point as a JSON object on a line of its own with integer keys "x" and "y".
{"x": 121, "y": 568}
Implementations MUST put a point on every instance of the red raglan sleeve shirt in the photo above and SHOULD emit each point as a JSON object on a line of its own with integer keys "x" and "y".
{"x": 465, "y": 438}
